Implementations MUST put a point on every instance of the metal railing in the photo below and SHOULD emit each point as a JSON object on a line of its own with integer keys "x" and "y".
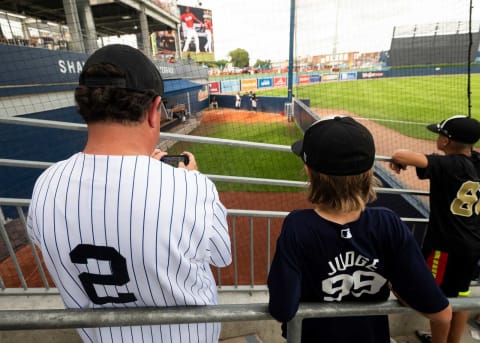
{"x": 83, "y": 318}
{"x": 233, "y": 214}
{"x": 68, "y": 318}
{"x": 225, "y": 178}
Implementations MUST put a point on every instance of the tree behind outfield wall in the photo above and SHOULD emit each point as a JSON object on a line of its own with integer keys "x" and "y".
{"x": 221, "y": 64}
{"x": 239, "y": 58}
{"x": 263, "y": 65}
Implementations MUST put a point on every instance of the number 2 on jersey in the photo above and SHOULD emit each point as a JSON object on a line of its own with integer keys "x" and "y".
{"x": 119, "y": 276}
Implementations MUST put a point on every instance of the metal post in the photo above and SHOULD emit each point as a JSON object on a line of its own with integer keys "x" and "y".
{"x": 73, "y": 22}
{"x": 268, "y": 244}
{"x": 88, "y": 25}
{"x": 147, "y": 49}
{"x": 38, "y": 262}
{"x": 294, "y": 330}
{"x": 290, "y": 53}
{"x": 11, "y": 252}
{"x": 189, "y": 104}
{"x": 252, "y": 255}
{"x": 234, "y": 245}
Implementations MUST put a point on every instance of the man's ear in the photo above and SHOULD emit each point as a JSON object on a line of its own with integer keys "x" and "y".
{"x": 154, "y": 112}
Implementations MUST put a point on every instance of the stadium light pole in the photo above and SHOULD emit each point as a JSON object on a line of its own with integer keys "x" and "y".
{"x": 290, "y": 53}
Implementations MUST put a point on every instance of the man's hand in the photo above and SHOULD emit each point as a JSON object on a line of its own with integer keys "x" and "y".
{"x": 158, "y": 154}
{"x": 192, "y": 163}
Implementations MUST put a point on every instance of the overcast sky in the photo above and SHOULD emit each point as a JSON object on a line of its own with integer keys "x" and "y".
{"x": 261, "y": 27}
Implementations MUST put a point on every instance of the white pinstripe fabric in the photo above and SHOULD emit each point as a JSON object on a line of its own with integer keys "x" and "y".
{"x": 168, "y": 224}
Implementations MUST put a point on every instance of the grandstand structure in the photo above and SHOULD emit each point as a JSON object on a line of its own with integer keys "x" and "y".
{"x": 434, "y": 44}
{"x": 84, "y": 21}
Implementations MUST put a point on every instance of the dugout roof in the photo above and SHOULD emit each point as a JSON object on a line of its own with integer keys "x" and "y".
{"x": 178, "y": 86}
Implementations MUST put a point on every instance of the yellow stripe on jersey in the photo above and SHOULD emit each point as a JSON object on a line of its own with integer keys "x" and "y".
{"x": 436, "y": 259}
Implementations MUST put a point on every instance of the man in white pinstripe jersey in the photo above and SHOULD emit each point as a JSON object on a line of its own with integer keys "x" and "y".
{"x": 116, "y": 226}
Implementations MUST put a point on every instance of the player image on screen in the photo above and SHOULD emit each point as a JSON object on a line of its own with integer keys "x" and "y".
{"x": 208, "y": 27}
{"x": 190, "y": 33}
{"x": 196, "y": 30}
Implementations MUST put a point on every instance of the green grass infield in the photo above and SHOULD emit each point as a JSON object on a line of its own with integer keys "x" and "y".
{"x": 247, "y": 162}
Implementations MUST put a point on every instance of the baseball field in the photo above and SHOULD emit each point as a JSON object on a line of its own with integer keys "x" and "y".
{"x": 395, "y": 110}
{"x": 396, "y": 121}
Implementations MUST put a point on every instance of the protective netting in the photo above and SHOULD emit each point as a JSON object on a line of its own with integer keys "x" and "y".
{"x": 395, "y": 66}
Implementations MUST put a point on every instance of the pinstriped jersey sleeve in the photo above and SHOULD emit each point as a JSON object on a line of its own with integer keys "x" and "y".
{"x": 37, "y": 199}
{"x": 220, "y": 248}
{"x": 31, "y": 226}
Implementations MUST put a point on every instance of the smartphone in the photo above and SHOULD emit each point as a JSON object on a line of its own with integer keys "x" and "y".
{"x": 173, "y": 160}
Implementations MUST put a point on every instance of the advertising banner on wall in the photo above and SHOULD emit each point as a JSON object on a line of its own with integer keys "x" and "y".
{"x": 248, "y": 84}
{"x": 214, "y": 87}
{"x": 303, "y": 79}
{"x": 228, "y": 86}
{"x": 265, "y": 82}
{"x": 329, "y": 77}
{"x": 203, "y": 93}
{"x": 314, "y": 78}
{"x": 196, "y": 34}
{"x": 371, "y": 75}
{"x": 352, "y": 75}
{"x": 280, "y": 81}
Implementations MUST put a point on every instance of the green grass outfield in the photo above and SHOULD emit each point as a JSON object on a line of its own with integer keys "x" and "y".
{"x": 404, "y": 104}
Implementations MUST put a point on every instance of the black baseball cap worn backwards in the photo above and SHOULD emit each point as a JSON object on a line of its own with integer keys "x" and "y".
{"x": 141, "y": 74}
{"x": 459, "y": 128}
{"x": 337, "y": 146}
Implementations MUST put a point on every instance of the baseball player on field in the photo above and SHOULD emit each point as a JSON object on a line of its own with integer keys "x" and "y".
{"x": 452, "y": 242}
{"x": 119, "y": 228}
{"x": 238, "y": 100}
{"x": 343, "y": 250}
